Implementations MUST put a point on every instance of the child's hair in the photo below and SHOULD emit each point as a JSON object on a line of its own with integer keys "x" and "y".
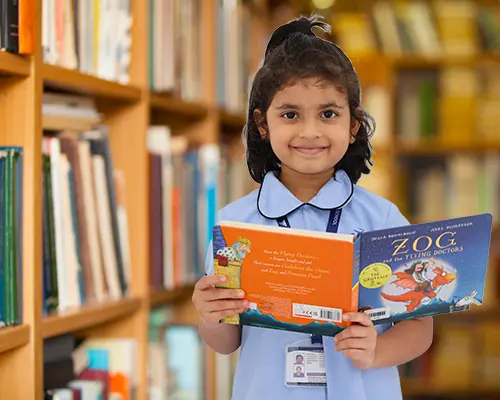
{"x": 294, "y": 52}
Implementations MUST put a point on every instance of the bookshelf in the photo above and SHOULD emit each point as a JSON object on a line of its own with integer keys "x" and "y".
{"x": 13, "y": 338}
{"x": 89, "y": 316}
{"x": 70, "y": 81}
{"x": 128, "y": 110}
{"x": 13, "y": 65}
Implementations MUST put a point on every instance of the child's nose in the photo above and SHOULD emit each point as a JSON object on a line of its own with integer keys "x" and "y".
{"x": 310, "y": 130}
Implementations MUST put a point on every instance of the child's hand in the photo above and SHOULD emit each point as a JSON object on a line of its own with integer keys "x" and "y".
{"x": 358, "y": 341}
{"x": 213, "y": 303}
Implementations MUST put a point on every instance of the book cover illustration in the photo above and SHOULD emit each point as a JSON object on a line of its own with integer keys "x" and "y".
{"x": 290, "y": 279}
{"x": 423, "y": 270}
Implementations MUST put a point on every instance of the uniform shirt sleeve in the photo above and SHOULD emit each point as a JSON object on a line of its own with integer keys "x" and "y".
{"x": 395, "y": 218}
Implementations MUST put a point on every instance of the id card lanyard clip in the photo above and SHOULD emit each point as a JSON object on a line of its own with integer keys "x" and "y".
{"x": 332, "y": 227}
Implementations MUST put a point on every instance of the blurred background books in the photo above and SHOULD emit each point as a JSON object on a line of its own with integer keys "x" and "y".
{"x": 120, "y": 139}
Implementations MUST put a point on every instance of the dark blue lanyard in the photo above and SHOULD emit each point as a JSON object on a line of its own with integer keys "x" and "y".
{"x": 332, "y": 227}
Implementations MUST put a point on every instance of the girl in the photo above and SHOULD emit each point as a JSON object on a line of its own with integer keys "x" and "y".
{"x": 307, "y": 140}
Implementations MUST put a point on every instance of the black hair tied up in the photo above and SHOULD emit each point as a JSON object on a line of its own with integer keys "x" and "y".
{"x": 301, "y": 25}
{"x": 295, "y": 52}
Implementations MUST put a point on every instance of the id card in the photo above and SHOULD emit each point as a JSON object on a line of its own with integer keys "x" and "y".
{"x": 305, "y": 365}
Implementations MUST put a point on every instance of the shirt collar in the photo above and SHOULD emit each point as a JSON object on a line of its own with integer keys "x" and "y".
{"x": 275, "y": 200}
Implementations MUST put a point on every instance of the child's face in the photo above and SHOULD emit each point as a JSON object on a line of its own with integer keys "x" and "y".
{"x": 309, "y": 126}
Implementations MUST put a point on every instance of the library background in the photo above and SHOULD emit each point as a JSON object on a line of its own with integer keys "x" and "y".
{"x": 120, "y": 126}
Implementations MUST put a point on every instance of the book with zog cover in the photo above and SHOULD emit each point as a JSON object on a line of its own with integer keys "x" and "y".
{"x": 304, "y": 281}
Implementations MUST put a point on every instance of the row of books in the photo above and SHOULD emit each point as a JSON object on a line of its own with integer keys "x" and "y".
{"x": 90, "y": 368}
{"x": 85, "y": 221}
{"x": 450, "y": 28}
{"x": 85, "y": 234}
{"x": 234, "y": 179}
{"x": 235, "y": 40}
{"x": 17, "y": 26}
{"x": 177, "y": 359}
{"x": 452, "y": 106}
{"x": 106, "y": 368}
{"x": 11, "y": 200}
{"x": 92, "y": 36}
{"x": 183, "y": 201}
{"x": 174, "y": 46}
{"x": 457, "y": 185}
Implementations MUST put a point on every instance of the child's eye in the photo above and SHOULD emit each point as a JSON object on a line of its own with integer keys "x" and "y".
{"x": 289, "y": 115}
{"x": 329, "y": 114}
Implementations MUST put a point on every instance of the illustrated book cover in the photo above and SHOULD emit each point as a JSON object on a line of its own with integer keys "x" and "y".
{"x": 304, "y": 281}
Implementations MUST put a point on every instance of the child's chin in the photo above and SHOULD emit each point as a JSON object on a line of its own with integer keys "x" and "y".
{"x": 312, "y": 170}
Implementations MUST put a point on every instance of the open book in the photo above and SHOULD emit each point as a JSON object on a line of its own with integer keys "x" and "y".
{"x": 304, "y": 281}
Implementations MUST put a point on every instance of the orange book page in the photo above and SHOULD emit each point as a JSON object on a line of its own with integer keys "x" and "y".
{"x": 292, "y": 282}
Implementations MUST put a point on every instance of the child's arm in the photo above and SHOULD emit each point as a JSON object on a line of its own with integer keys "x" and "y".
{"x": 213, "y": 304}
{"x": 224, "y": 339}
{"x": 403, "y": 342}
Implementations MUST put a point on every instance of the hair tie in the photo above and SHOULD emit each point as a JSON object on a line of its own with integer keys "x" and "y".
{"x": 300, "y": 25}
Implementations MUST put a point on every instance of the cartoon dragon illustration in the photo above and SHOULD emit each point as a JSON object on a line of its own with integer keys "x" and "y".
{"x": 419, "y": 289}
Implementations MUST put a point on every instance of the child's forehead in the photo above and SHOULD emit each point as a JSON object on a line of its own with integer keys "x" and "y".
{"x": 311, "y": 88}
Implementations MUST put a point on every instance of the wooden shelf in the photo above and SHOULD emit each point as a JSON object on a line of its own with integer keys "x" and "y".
{"x": 178, "y": 107}
{"x": 74, "y": 81}
{"x": 419, "y": 61}
{"x": 435, "y": 148}
{"x": 422, "y": 388}
{"x": 230, "y": 121}
{"x": 61, "y": 122}
{"x": 88, "y": 316}
{"x": 163, "y": 297}
{"x": 13, "y": 64}
{"x": 13, "y": 337}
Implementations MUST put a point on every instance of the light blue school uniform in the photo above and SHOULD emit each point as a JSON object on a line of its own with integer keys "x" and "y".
{"x": 261, "y": 369}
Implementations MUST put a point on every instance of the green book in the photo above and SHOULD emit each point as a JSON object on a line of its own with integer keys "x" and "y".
{"x": 11, "y": 234}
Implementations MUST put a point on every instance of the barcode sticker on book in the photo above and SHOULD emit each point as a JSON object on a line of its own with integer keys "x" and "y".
{"x": 378, "y": 313}
{"x": 317, "y": 312}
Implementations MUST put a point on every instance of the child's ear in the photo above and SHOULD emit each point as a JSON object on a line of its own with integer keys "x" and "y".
{"x": 260, "y": 121}
{"x": 355, "y": 125}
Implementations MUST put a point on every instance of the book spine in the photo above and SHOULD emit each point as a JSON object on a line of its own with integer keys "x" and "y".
{"x": 26, "y": 38}
{"x": 8, "y": 253}
{"x": 10, "y": 26}
{"x": 19, "y": 234}
{"x": 232, "y": 269}
{"x": 54, "y": 291}
{"x": 74, "y": 220}
{"x": 114, "y": 217}
{"x": 47, "y": 289}
{"x": 355, "y": 274}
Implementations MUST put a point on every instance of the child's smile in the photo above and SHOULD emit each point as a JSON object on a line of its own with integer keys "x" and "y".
{"x": 309, "y": 150}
